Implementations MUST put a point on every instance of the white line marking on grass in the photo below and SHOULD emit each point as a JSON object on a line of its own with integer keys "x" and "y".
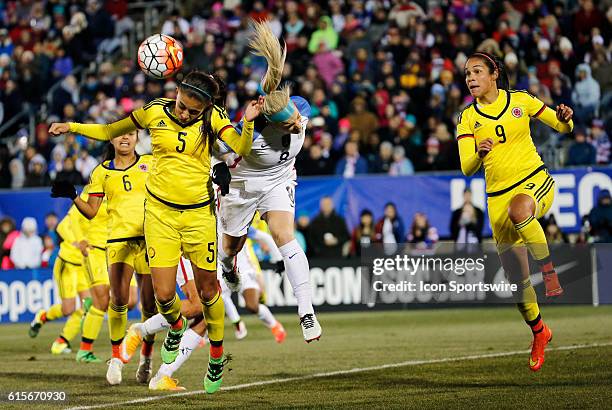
{"x": 339, "y": 373}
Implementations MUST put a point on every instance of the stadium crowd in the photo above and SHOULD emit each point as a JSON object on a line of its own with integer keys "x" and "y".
{"x": 384, "y": 79}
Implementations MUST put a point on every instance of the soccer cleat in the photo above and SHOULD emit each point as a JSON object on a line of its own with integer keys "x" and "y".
{"x": 240, "y": 330}
{"x": 232, "y": 279}
{"x": 279, "y": 332}
{"x": 214, "y": 374}
{"x": 551, "y": 282}
{"x": 130, "y": 343}
{"x": 161, "y": 382}
{"x": 170, "y": 348}
{"x": 87, "y": 356}
{"x": 60, "y": 346}
{"x": 310, "y": 327}
{"x": 540, "y": 340}
{"x": 113, "y": 374}
{"x": 144, "y": 371}
{"x": 37, "y": 323}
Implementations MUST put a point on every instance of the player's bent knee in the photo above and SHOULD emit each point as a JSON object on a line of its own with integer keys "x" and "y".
{"x": 521, "y": 208}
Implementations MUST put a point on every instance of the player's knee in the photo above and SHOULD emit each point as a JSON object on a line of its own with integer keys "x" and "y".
{"x": 519, "y": 210}
{"x": 68, "y": 308}
{"x": 101, "y": 302}
{"x": 282, "y": 236}
{"x": 207, "y": 293}
{"x": 252, "y": 306}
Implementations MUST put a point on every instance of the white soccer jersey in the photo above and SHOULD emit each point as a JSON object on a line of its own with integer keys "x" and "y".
{"x": 272, "y": 157}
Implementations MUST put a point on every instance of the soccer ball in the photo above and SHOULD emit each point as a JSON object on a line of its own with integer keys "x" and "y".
{"x": 160, "y": 56}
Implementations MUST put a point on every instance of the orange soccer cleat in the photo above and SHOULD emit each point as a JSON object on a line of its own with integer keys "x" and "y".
{"x": 540, "y": 340}
{"x": 279, "y": 332}
{"x": 551, "y": 282}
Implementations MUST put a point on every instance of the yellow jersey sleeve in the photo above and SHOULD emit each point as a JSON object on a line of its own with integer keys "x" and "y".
{"x": 103, "y": 132}
{"x": 96, "y": 181}
{"x": 468, "y": 155}
{"x": 225, "y": 131}
{"x": 68, "y": 251}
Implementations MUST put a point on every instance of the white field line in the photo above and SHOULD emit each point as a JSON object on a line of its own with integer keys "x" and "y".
{"x": 341, "y": 372}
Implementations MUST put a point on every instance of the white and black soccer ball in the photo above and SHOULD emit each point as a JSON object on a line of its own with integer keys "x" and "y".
{"x": 160, "y": 56}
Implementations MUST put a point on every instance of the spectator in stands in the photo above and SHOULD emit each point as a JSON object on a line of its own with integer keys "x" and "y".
{"x": 68, "y": 173}
{"x": 8, "y": 234}
{"x": 384, "y": 159}
{"x": 302, "y": 226}
{"x": 327, "y": 231}
{"x": 325, "y": 34}
{"x": 601, "y": 142}
{"x": 363, "y": 234}
{"x": 37, "y": 175}
{"x": 467, "y": 221}
{"x": 586, "y": 94}
{"x": 17, "y": 173}
{"x": 421, "y": 234}
{"x": 352, "y": 163}
{"x": 316, "y": 163}
{"x": 600, "y": 218}
{"x": 5, "y": 172}
{"x": 400, "y": 165}
{"x": 581, "y": 152}
{"x": 361, "y": 119}
{"x": 390, "y": 228}
{"x": 85, "y": 163}
{"x": 26, "y": 252}
{"x": 554, "y": 235}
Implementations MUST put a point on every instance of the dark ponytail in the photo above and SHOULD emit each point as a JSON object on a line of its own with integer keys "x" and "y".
{"x": 206, "y": 88}
{"x": 494, "y": 64}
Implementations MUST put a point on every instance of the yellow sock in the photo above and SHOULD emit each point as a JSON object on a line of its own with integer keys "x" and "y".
{"x": 73, "y": 325}
{"x": 171, "y": 311}
{"x": 528, "y": 301}
{"x": 54, "y": 312}
{"x": 117, "y": 321}
{"x": 532, "y": 234}
{"x": 93, "y": 323}
{"x": 214, "y": 312}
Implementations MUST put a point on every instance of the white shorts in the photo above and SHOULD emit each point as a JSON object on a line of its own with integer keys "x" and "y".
{"x": 184, "y": 273}
{"x": 237, "y": 208}
{"x": 248, "y": 273}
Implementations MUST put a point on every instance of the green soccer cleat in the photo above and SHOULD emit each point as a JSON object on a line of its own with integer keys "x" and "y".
{"x": 86, "y": 356}
{"x": 214, "y": 374}
{"x": 170, "y": 348}
{"x": 36, "y": 324}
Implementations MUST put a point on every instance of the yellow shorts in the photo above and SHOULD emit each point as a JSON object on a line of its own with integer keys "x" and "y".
{"x": 172, "y": 232}
{"x": 95, "y": 267}
{"x": 540, "y": 187}
{"x": 132, "y": 253}
{"x": 70, "y": 278}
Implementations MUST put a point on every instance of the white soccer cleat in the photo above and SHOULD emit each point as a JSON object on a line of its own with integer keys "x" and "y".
{"x": 113, "y": 374}
{"x": 310, "y": 327}
{"x": 144, "y": 371}
{"x": 240, "y": 330}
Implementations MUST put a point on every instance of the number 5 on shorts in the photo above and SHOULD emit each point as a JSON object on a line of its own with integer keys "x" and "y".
{"x": 211, "y": 249}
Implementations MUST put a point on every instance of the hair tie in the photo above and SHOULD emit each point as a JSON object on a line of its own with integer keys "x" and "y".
{"x": 197, "y": 90}
{"x": 488, "y": 58}
{"x": 284, "y": 114}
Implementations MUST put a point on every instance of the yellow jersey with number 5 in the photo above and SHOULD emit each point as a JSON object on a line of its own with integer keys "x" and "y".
{"x": 506, "y": 122}
{"x": 182, "y": 170}
{"x": 124, "y": 190}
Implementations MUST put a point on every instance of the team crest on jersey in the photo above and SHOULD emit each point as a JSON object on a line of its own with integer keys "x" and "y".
{"x": 517, "y": 112}
{"x": 143, "y": 167}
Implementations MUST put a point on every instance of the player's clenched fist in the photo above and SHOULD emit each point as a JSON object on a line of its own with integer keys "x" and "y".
{"x": 59, "y": 128}
{"x": 484, "y": 147}
{"x": 564, "y": 113}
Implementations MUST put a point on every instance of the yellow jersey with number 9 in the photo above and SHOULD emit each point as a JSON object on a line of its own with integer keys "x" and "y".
{"x": 506, "y": 122}
{"x": 124, "y": 190}
{"x": 182, "y": 169}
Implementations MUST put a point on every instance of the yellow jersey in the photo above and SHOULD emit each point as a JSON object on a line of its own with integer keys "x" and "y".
{"x": 95, "y": 230}
{"x": 124, "y": 193}
{"x": 506, "y": 121}
{"x": 181, "y": 175}
{"x": 70, "y": 230}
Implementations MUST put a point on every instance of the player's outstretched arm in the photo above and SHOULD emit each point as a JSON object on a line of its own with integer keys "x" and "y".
{"x": 560, "y": 119}
{"x": 90, "y": 208}
{"x": 100, "y": 132}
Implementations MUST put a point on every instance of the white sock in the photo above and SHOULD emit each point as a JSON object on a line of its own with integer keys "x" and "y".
{"x": 266, "y": 316}
{"x": 296, "y": 265}
{"x": 227, "y": 262}
{"x": 230, "y": 308}
{"x": 189, "y": 342}
{"x": 155, "y": 324}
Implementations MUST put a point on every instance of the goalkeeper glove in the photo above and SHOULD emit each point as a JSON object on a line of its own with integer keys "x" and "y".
{"x": 63, "y": 189}
{"x": 222, "y": 177}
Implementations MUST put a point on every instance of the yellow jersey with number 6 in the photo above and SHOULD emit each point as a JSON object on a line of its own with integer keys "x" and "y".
{"x": 124, "y": 190}
{"x": 506, "y": 122}
{"x": 182, "y": 170}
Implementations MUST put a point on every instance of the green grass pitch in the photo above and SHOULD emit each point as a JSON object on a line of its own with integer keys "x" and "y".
{"x": 435, "y": 343}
